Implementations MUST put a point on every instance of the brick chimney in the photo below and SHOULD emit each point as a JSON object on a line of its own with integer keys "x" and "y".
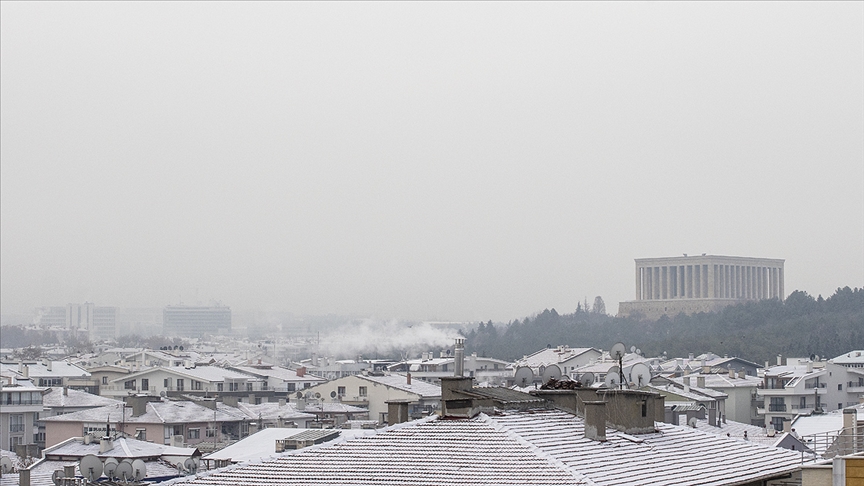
{"x": 408, "y": 378}
{"x": 455, "y": 397}
{"x": 301, "y": 372}
{"x": 700, "y": 382}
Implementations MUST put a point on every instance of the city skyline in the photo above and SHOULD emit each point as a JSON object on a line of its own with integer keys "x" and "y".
{"x": 448, "y": 161}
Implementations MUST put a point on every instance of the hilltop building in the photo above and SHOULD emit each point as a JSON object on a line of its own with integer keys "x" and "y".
{"x": 705, "y": 283}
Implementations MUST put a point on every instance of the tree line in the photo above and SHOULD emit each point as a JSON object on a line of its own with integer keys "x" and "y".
{"x": 758, "y": 331}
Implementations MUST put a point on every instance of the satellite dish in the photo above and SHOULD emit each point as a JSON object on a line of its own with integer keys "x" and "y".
{"x": 541, "y": 369}
{"x": 162, "y": 394}
{"x": 317, "y": 395}
{"x": 587, "y": 379}
{"x": 812, "y": 357}
{"x": 139, "y": 470}
{"x": 617, "y": 351}
{"x": 181, "y": 348}
{"x": 524, "y": 376}
{"x": 124, "y": 471}
{"x": 332, "y": 394}
{"x": 639, "y": 351}
{"x": 632, "y": 349}
{"x": 817, "y": 357}
{"x": 692, "y": 422}
{"x": 6, "y": 465}
{"x": 640, "y": 374}
{"x": 190, "y": 465}
{"x": 90, "y": 467}
{"x": 613, "y": 380}
{"x": 58, "y": 476}
{"x": 551, "y": 371}
{"x": 110, "y": 467}
{"x": 299, "y": 394}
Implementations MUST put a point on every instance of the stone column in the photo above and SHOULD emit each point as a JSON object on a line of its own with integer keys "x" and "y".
{"x": 780, "y": 278}
{"x": 712, "y": 284}
{"x": 667, "y": 270}
{"x": 697, "y": 276}
{"x": 638, "y": 282}
{"x": 658, "y": 285}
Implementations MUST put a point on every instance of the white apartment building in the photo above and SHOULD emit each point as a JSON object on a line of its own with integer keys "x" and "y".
{"x": 803, "y": 386}
{"x": 20, "y": 405}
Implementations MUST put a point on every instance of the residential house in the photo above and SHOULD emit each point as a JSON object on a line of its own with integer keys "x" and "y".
{"x": 374, "y": 390}
{"x": 280, "y": 380}
{"x": 567, "y": 359}
{"x": 60, "y": 401}
{"x": 182, "y": 380}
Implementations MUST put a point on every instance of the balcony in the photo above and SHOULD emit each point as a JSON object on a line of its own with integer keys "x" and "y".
{"x": 16, "y": 428}
{"x": 810, "y": 386}
{"x": 776, "y": 407}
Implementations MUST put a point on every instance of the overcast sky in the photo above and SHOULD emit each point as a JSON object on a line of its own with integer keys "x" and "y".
{"x": 452, "y": 161}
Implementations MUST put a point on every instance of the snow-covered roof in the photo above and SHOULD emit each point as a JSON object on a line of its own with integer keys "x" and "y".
{"x": 57, "y": 397}
{"x": 400, "y": 381}
{"x": 201, "y": 373}
{"x": 855, "y": 357}
{"x": 168, "y": 412}
{"x": 536, "y": 447}
{"x": 58, "y": 369}
{"x": 548, "y": 356}
{"x": 262, "y": 444}
{"x": 279, "y": 373}
{"x": 273, "y": 411}
{"x": 123, "y": 447}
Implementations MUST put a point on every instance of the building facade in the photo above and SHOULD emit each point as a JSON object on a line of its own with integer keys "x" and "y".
{"x": 705, "y": 283}
{"x": 196, "y": 321}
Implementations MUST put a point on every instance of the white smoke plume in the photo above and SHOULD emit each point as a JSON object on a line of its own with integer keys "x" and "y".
{"x": 385, "y": 339}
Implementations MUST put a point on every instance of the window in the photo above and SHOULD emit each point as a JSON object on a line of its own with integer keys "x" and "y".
{"x": 220, "y": 386}
{"x": 803, "y": 402}
{"x": 179, "y": 384}
{"x": 248, "y": 386}
{"x": 840, "y": 388}
{"x": 290, "y": 387}
{"x": 129, "y": 384}
{"x": 196, "y": 385}
{"x": 141, "y": 434}
{"x": 340, "y": 391}
{"x": 16, "y": 423}
{"x": 167, "y": 383}
{"x": 233, "y": 387}
{"x": 839, "y": 406}
{"x": 194, "y": 434}
{"x": 307, "y": 385}
{"x": 777, "y": 422}
{"x": 264, "y": 386}
{"x": 145, "y": 384}
{"x": 104, "y": 380}
{"x": 211, "y": 432}
{"x": 362, "y": 391}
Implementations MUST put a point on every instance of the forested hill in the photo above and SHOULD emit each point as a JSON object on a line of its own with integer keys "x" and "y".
{"x": 758, "y": 331}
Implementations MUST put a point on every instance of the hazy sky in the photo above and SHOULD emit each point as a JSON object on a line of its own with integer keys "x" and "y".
{"x": 455, "y": 161}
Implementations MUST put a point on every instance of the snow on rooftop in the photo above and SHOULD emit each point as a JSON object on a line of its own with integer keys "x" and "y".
{"x": 400, "y": 381}
{"x": 529, "y": 447}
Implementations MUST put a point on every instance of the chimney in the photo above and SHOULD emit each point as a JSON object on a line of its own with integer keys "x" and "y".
{"x": 301, "y": 372}
{"x": 24, "y": 477}
{"x": 742, "y": 373}
{"x": 767, "y": 364}
{"x": 595, "y": 420}
{"x": 850, "y": 419}
{"x": 712, "y": 417}
{"x": 809, "y": 366}
{"x": 88, "y": 438}
{"x": 281, "y": 402}
{"x": 48, "y": 364}
{"x": 731, "y": 373}
{"x": 301, "y": 404}
{"x": 700, "y": 382}
{"x": 690, "y": 356}
{"x": 408, "y": 378}
{"x": 209, "y": 403}
{"x": 460, "y": 357}
{"x": 787, "y": 426}
{"x": 779, "y": 360}
{"x": 105, "y": 445}
{"x": 69, "y": 471}
{"x": 65, "y": 391}
{"x": 686, "y": 384}
{"x": 314, "y": 359}
{"x": 26, "y": 371}
{"x": 397, "y": 411}
{"x": 230, "y": 401}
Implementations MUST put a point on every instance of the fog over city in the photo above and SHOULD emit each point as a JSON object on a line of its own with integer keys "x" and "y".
{"x": 421, "y": 161}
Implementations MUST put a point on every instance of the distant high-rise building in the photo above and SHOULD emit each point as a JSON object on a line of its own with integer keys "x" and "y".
{"x": 195, "y": 321}
{"x": 97, "y": 322}
{"x": 704, "y": 283}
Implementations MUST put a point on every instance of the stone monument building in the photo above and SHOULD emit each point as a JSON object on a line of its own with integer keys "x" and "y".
{"x": 705, "y": 283}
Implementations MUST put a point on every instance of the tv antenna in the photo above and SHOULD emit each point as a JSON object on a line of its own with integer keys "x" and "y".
{"x": 524, "y": 376}
{"x": 617, "y": 353}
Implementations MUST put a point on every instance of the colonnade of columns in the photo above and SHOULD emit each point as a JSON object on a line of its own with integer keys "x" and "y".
{"x": 708, "y": 281}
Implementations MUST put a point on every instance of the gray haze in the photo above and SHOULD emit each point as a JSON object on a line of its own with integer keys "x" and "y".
{"x": 455, "y": 161}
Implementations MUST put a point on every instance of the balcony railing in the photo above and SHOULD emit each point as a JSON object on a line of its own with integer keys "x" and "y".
{"x": 810, "y": 386}
{"x": 776, "y": 407}
{"x": 16, "y": 428}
